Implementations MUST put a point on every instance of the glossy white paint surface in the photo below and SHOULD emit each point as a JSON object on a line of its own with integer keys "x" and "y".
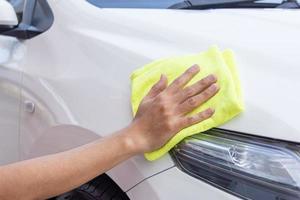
{"x": 10, "y": 92}
{"x": 77, "y": 75}
{"x": 174, "y": 184}
{"x": 7, "y": 14}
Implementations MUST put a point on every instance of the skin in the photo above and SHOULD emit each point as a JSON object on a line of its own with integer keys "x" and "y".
{"x": 162, "y": 113}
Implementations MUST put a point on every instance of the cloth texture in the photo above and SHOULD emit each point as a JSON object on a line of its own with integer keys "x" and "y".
{"x": 228, "y": 102}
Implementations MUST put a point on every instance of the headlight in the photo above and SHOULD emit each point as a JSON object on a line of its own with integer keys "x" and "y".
{"x": 247, "y": 166}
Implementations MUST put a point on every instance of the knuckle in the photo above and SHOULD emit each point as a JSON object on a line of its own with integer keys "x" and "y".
{"x": 189, "y": 72}
{"x": 192, "y": 102}
{"x": 177, "y": 82}
{"x": 201, "y": 84}
{"x": 190, "y": 120}
{"x": 160, "y": 99}
{"x": 206, "y": 82}
{"x": 206, "y": 93}
{"x": 208, "y": 79}
{"x": 166, "y": 112}
{"x": 189, "y": 91}
{"x": 155, "y": 88}
{"x": 163, "y": 110}
{"x": 169, "y": 125}
{"x": 201, "y": 116}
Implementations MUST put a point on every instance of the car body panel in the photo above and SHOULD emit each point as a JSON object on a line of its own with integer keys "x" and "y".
{"x": 77, "y": 75}
{"x": 10, "y": 94}
{"x": 174, "y": 184}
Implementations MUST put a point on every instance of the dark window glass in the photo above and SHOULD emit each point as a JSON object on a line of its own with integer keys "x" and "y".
{"x": 133, "y": 3}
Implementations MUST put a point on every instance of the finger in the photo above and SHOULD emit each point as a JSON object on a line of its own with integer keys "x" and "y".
{"x": 157, "y": 87}
{"x": 199, "y": 117}
{"x": 195, "y": 101}
{"x": 183, "y": 79}
{"x": 197, "y": 87}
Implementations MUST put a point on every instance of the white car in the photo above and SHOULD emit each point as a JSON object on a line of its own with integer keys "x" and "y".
{"x": 64, "y": 81}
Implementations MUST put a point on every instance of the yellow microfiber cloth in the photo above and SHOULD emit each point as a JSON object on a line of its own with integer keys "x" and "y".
{"x": 227, "y": 102}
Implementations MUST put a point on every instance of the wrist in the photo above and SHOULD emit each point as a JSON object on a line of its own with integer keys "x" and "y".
{"x": 129, "y": 139}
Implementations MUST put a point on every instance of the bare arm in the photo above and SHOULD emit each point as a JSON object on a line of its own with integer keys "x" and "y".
{"x": 161, "y": 114}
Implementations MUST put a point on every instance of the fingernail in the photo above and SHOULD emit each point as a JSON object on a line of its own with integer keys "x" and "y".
{"x": 213, "y": 87}
{"x": 209, "y": 111}
{"x": 212, "y": 77}
{"x": 163, "y": 79}
{"x": 163, "y": 76}
{"x": 195, "y": 68}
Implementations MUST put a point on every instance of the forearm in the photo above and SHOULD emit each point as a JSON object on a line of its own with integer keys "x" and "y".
{"x": 46, "y": 176}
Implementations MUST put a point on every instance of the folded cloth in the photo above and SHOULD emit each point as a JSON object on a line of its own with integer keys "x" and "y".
{"x": 227, "y": 102}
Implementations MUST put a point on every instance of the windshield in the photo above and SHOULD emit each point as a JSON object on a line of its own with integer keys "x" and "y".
{"x": 215, "y": 4}
{"x": 195, "y": 4}
{"x": 134, "y": 3}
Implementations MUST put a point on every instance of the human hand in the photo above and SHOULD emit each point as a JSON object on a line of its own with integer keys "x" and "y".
{"x": 163, "y": 111}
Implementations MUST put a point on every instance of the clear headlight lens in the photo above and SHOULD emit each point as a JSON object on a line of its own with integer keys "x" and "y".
{"x": 247, "y": 166}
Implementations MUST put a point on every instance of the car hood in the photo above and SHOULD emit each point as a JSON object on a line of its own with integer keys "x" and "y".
{"x": 266, "y": 43}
